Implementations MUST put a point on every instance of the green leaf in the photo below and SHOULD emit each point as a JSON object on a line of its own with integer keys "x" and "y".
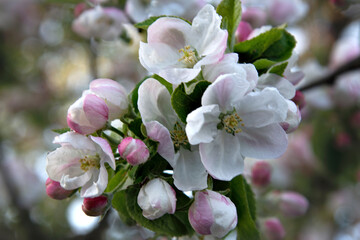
{"x": 154, "y": 166}
{"x": 184, "y": 103}
{"x": 275, "y": 45}
{"x": 243, "y": 198}
{"x": 61, "y": 130}
{"x": 230, "y": 10}
{"x": 117, "y": 181}
{"x": 161, "y": 80}
{"x": 170, "y": 224}
{"x": 135, "y": 127}
{"x": 119, "y": 204}
{"x": 279, "y": 69}
{"x": 263, "y": 65}
{"x": 146, "y": 23}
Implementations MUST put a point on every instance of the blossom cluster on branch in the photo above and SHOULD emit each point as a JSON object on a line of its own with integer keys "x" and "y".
{"x": 212, "y": 101}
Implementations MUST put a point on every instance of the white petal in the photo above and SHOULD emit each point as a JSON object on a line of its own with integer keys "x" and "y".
{"x": 157, "y": 105}
{"x": 76, "y": 140}
{"x": 179, "y": 75}
{"x": 258, "y": 109}
{"x": 96, "y": 186}
{"x": 189, "y": 172}
{"x": 68, "y": 182}
{"x": 263, "y": 143}
{"x": 286, "y": 88}
{"x": 108, "y": 155}
{"x": 207, "y": 37}
{"x": 202, "y": 123}
{"x": 159, "y": 133}
{"x": 222, "y": 158}
{"x": 226, "y": 91}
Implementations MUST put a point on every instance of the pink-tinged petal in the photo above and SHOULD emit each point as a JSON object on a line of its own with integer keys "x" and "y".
{"x": 222, "y": 158}
{"x": 158, "y": 56}
{"x": 157, "y": 105}
{"x": 258, "y": 109}
{"x": 76, "y": 140}
{"x": 96, "y": 186}
{"x": 68, "y": 182}
{"x": 96, "y": 111}
{"x": 200, "y": 214}
{"x": 207, "y": 37}
{"x": 226, "y": 91}
{"x": 285, "y": 88}
{"x": 106, "y": 148}
{"x": 179, "y": 75}
{"x": 202, "y": 124}
{"x": 114, "y": 95}
{"x": 189, "y": 172}
{"x": 159, "y": 133}
{"x": 263, "y": 143}
{"x": 171, "y": 31}
{"x": 64, "y": 161}
{"x": 251, "y": 75}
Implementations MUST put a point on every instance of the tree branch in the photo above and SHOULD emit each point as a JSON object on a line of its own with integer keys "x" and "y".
{"x": 330, "y": 78}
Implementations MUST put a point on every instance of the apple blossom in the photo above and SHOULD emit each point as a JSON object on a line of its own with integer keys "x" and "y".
{"x": 95, "y": 206}
{"x": 55, "y": 191}
{"x": 212, "y": 214}
{"x": 163, "y": 125}
{"x": 243, "y": 31}
{"x": 88, "y": 114}
{"x": 232, "y": 124}
{"x": 133, "y": 150}
{"x": 80, "y": 162}
{"x": 156, "y": 198}
{"x": 261, "y": 173}
{"x": 176, "y": 50}
{"x": 293, "y": 204}
{"x": 285, "y": 88}
{"x": 98, "y": 22}
{"x": 114, "y": 95}
{"x": 273, "y": 228}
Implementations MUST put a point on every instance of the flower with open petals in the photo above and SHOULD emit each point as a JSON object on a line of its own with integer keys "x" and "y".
{"x": 233, "y": 123}
{"x": 163, "y": 125}
{"x": 176, "y": 50}
{"x": 80, "y": 162}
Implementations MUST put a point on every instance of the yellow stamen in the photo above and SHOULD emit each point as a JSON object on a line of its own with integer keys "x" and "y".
{"x": 90, "y": 161}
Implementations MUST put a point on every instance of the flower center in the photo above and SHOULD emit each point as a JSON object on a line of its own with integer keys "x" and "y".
{"x": 90, "y": 161}
{"x": 179, "y": 138}
{"x": 231, "y": 122}
{"x": 188, "y": 56}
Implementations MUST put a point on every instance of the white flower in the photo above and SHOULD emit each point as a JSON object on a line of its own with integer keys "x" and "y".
{"x": 163, "y": 125}
{"x": 79, "y": 162}
{"x": 156, "y": 198}
{"x": 232, "y": 124}
{"x": 176, "y": 50}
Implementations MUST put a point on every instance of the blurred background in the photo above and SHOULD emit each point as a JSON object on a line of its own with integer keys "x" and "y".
{"x": 45, "y": 66}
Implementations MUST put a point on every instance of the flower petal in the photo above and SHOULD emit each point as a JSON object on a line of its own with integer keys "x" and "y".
{"x": 96, "y": 110}
{"x": 202, "y": 123}
{"x": 97, "y": 185}
{"x": 68, "y": 182}
{"x": 258, "y": 109}
{"x": 157, "y": 105}
{"x": 179, "y": 75}
{"x": 226, "y": 91}
{"x": 222, "y": 157}
{"x": 263, "y": 143}
{"x": 286, "y": 88}
{"x": 105, "y": 147}
{"x": 159, "y": 133}
{"x": 189, "y": 172}
{"x": 76, "y": 140}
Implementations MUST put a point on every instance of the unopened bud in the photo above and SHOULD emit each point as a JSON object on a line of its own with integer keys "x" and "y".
{"x": 212, "y": 214}
{"x": 157, "y": 198}
{"x": 272, "y": 229}
{"x": 55, "y": 191}
{"x": 134, "y": 151}
{"x": 261, "y": 173}
{"x": 95, "y": 206}
{"x": 243, "y": 31}
{"x": 293, "y": 204}
{"x": 299, "y": 99}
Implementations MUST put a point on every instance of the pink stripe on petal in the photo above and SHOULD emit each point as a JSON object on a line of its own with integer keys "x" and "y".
{"x": 96, "y": 110}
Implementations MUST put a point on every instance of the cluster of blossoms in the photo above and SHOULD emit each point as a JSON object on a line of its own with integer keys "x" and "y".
{"x": 199, "y": 116}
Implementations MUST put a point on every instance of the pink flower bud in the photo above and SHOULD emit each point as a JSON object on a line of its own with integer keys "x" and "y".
{"x": 212, "y": 214}
{"x": 55, "y": 191}
{"x": 299, "y": 99}
{"x": 293, "y": 204}
{"x": 261, "y": 173}
{"x": 255, "y": 16}
{"x": 95, "y": 206}
{"x": 88, "y": 114}
{"x": 243, "y": 31}
{"x": 113, "y": 93}
{"x": 156, "y": 198}
{"x": 133, "y": 150}
{"x": 273, "y": 229}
